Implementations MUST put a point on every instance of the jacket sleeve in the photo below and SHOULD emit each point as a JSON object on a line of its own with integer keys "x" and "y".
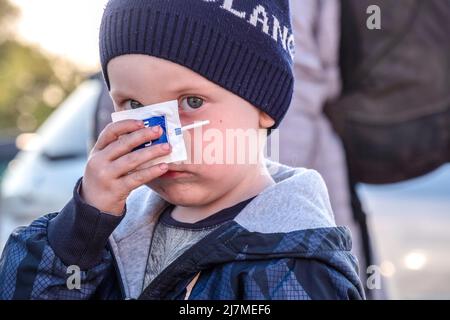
{"x": 299, "y": 279}
{"x": 61, "y": 255}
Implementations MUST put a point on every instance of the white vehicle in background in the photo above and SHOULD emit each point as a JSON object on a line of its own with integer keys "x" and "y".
{"x": 41, "y": 177}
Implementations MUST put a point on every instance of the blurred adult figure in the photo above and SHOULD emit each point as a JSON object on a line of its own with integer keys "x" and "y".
{"x": 307, "y": 138}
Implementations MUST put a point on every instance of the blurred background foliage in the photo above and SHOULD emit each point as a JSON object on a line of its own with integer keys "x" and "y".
{"x": 32, "y": 82}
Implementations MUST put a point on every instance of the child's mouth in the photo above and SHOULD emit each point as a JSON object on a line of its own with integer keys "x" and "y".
{"x": 171, "y": 174}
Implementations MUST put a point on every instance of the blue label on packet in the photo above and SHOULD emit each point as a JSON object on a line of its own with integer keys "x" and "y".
{"x": 152, "y": 122}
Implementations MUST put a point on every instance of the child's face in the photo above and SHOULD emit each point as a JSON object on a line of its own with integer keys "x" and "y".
{"x": 144, "y": 80}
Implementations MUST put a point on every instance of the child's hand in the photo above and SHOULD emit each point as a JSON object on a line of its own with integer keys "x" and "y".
{"x": 108, "y": 178}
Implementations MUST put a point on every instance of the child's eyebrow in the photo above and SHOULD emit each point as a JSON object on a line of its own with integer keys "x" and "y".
{"x": 118, "y": 94}
{"x": 190, "y": 87}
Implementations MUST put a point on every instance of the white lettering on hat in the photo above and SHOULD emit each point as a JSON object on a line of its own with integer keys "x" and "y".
{"x": 291, "y": 45}
{"x": 255, "y": 18}
{"x": 228, "y": 5}
{"x": 260, "y": 16}
{"x": 277, "y": 32}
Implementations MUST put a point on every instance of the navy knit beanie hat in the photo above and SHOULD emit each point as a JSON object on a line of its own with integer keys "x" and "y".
{"x": 245, "y": 46}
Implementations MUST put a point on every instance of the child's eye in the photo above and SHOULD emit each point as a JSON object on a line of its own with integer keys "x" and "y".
{"x": 191, "y": 103}
{"x": 135, "y": 104}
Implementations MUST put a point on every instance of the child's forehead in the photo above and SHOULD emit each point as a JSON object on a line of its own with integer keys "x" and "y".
{"x": 135, "y": 71}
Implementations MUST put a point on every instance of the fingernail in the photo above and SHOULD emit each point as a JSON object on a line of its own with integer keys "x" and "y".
{"x": 140, "y": 123}
{"x": 163, "y": 166}
{"x": 156, "y": 129}
{"x": 165, "y": 146}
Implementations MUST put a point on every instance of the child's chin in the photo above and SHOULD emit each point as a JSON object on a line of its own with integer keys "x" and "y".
{"x": 188, "y": 195}
{"x": 186, "y": 201}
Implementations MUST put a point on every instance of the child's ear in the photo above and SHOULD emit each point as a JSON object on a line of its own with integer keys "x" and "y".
{"x": 265, "y": 121}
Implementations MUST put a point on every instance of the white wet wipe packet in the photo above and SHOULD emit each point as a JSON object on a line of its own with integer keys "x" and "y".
{"x": 166, "y": 115}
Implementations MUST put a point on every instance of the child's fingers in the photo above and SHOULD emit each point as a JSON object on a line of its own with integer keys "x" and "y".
{"x": 113, "y": 131}
{"x": 131, "y": 161}
{"x": 138, "y": 178}
{"x": 128, "y": 142}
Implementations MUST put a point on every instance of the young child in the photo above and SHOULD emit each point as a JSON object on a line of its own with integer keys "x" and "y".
{"x": 189, "y": 230}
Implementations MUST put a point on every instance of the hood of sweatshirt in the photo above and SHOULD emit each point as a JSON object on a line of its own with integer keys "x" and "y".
{"x": 290, "y": 219}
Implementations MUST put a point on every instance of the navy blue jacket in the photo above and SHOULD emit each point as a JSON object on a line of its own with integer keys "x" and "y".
{"x": 240, "y": 260}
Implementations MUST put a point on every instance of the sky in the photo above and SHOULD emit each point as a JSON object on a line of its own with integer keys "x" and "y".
{"x": 64, "y": 27}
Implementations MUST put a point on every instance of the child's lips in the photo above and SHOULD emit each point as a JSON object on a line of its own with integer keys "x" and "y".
{"x": 172, "y": 174}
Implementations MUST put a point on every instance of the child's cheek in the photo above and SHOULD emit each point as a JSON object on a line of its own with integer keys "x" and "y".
{"x": 200, "y": 139}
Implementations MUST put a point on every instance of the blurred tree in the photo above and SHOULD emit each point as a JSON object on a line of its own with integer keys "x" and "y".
{"x": 32, "y": 83}
{"x": 7, "y": 15}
